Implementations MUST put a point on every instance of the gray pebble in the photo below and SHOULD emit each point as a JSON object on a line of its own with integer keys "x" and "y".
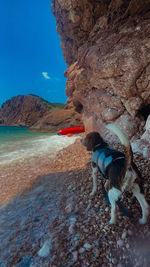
{"x": 120, "y": 243}
{"x": 124, "y": 235}
{"x": 87, "y": 246}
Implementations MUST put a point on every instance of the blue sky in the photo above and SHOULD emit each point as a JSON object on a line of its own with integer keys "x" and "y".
{"x": 31, "y": 60}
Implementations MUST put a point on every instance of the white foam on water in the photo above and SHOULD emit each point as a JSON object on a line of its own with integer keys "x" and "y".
{"x": 34, "y": 147}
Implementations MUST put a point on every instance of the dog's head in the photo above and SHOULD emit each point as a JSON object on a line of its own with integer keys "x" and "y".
{"x": 92, "y": 140}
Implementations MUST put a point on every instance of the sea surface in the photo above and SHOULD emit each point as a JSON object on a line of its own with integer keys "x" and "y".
{"x": 18, "y": 144}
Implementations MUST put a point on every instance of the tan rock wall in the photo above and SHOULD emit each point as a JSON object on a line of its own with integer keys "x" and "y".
{"x": 108, "y": 57}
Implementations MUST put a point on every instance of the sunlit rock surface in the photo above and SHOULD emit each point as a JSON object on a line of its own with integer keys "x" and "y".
{"x": 106, "y": 45}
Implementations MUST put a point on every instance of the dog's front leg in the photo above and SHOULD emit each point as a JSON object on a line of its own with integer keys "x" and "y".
{"x": 113, "y": 195}
{"x": 94, "y": 176}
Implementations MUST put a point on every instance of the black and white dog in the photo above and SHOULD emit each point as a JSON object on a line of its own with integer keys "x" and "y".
{"x": 120, "y": 171}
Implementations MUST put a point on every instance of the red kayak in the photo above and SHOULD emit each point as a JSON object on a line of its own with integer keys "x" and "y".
{"x": 71, "y": 131}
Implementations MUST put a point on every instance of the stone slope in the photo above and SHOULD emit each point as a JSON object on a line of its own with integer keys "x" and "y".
{"x": 59, "y": 213}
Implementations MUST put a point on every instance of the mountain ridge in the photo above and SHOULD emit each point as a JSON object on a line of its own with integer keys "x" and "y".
{"x": 25, "y": 110}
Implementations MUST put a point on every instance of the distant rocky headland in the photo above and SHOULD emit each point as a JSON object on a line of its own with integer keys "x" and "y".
{"x": 37, "y": 114}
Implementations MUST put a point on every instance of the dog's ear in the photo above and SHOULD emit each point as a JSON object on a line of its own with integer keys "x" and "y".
{"x": 93, "y": 139}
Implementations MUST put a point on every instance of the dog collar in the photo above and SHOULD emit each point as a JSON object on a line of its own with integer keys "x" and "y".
{"x": 118, "y": 158}
{"x": 98, "y": 145}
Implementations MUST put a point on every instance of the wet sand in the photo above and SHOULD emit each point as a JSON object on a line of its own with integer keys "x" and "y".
{"x": 56, "y": 212}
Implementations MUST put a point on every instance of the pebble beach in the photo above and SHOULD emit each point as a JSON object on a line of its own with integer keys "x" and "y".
{"x": 48, "y": 218}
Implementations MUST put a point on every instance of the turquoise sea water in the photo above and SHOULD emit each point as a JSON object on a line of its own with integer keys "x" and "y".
{"x": 17, "y": 144}
{"x": 14, "y": 133}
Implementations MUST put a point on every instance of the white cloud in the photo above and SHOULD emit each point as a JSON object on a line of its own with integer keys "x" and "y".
{"x": 51, "y": 77}
{"x": 45, "y": 75}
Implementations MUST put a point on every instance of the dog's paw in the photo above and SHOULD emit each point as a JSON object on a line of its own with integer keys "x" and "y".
{"x": 92, "y": 193}
{"x": 112, "y": 221}
{"x": 142, "y": 221}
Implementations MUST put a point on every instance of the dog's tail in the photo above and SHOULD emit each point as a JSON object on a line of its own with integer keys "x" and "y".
{"x": 125, "y": 142}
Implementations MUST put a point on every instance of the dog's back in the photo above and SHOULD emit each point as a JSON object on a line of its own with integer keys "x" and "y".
{"x": 104, "y": 157}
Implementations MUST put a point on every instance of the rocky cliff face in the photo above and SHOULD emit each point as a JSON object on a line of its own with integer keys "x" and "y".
{"x": 24, "y": 110}
{"x": 106, "y": 45}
